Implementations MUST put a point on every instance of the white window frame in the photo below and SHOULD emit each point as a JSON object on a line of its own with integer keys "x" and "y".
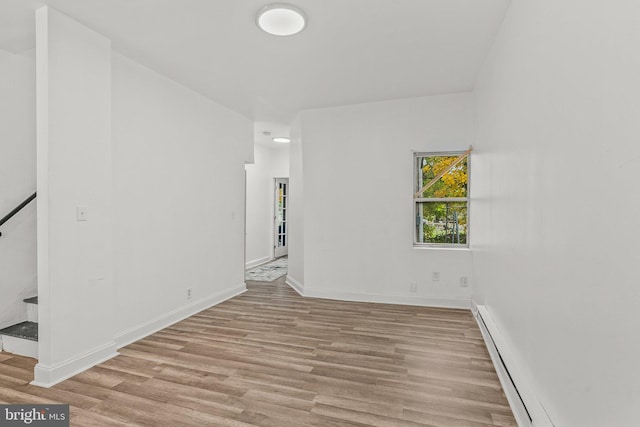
{"x": 416, "y": 188}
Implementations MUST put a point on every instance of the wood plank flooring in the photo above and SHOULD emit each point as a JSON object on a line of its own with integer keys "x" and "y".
{"x": 272, "y": 358}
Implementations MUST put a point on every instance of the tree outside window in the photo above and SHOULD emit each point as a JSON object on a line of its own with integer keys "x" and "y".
{"x": 441, "y": 199}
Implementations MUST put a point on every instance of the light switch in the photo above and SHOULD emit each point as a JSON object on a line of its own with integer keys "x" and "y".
{"x": 82, "y": 213}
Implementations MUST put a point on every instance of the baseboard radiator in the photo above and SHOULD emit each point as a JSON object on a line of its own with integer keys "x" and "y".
{"x": 519, "y": 408}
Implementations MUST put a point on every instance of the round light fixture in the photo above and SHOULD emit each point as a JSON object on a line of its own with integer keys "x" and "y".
{"x": 281, "y": 139}
{"x": 281, "y": 19}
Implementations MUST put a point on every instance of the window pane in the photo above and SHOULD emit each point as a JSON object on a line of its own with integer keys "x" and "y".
{"x": 452, "y": 184}
{"x": 441, "y": 222}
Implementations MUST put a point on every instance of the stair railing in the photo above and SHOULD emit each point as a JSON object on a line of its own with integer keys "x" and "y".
{"x": 18, "y": 208}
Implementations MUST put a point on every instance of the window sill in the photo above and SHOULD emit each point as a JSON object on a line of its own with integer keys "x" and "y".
{"x": 441, "y": 248}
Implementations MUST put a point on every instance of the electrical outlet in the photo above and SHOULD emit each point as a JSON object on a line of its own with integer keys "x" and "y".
{"x": 413, "y": 287}
{"x": 435, "y": 276}
{"x": 464, "y": 281}
{"x": 189, "y": 293}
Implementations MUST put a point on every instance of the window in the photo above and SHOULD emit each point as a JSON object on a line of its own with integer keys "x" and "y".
{"x": 441, "y": 199}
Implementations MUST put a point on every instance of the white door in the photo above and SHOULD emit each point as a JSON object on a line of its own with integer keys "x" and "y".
{"x": 281, "y": 226}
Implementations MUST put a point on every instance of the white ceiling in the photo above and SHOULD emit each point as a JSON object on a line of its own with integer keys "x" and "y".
{"x": 352, "y": 51}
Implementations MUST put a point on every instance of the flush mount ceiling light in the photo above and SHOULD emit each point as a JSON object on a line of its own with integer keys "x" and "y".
{"x": 281, "y": 19}
{"x": 281, "y": 139}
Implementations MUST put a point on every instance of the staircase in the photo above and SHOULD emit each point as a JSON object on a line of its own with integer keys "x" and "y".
{"x": 22, "y": 338}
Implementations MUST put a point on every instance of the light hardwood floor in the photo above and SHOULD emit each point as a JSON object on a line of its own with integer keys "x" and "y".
{"x": 272, "y": 358}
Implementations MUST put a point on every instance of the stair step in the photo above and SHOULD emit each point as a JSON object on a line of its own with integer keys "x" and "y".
{"x": 24, "y": 330}
{"x": 32, "y": 308}
{"x": 32, "y": 300}
{"x": 21, "y": 339}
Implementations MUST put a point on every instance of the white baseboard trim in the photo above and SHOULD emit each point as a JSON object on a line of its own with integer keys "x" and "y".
{"x": 295, "y": 285}
{"x": 424, "y": 301}
{"x": 48, "y": 376}
{"x": 137, "y": 333}
{"x": 257, "y": 262}
{"x": 526, "y": 408}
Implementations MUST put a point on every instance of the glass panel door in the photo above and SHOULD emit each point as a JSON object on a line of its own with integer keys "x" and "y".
{"x": 281, "y": 224}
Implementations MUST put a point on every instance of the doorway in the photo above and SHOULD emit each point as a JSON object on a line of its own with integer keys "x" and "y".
{"x": 281, "y": 240}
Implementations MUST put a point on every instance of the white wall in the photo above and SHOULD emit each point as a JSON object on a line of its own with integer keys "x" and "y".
{"x": 17, "y": 182}
{"x": 358, "y": 205}
{"x": 269, "y": 163}
{"x": 295, "y": 270}
{"x": 178, "y": 186}
{"x": 556, "y": 205}
{"x": 160, "y": 169}
{"x": 75, "y": 281}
